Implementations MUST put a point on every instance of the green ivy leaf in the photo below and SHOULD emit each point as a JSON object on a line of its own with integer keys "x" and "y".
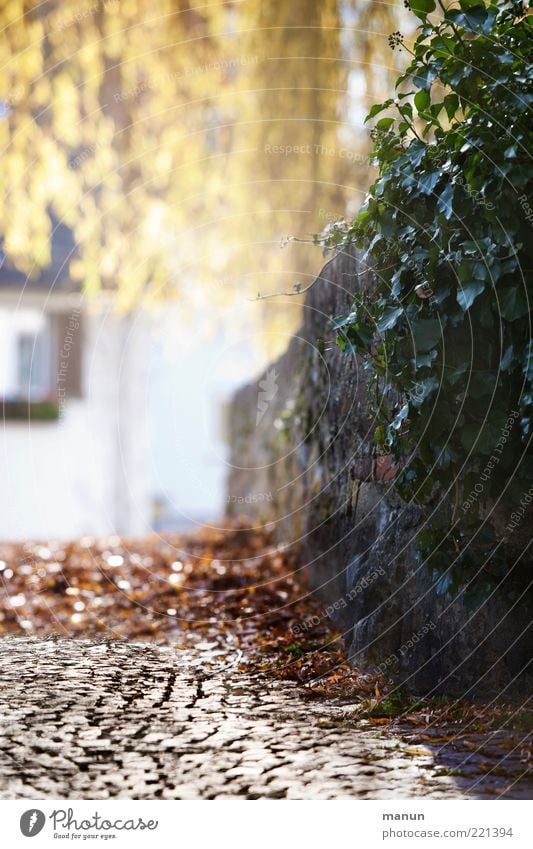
{"x": 468, "y": 292}
{"x": 399, "y": 418}
{"x": 342, "y": 321}
{"x": 424, "y": 77}
{"x": 507, "y": 358}
{"x": 445, "y": 202}
{"x": 422, "y": 8}
{"x": 513, "y": 303}
{"x": 451, "y": 105}
{"x": 380, "y": 435}
{"x": 424, "y": 360}
{"x": 422, "y": 100}
{"x": 426, "y": 333}
{"x": 477, "y": 19}
{"x": 423, "y": 389}
{"x": 484, "y": 436}
{"x": 389, "y": 318}
{"x": 377, "y": 108}
{"x": 384, "y": 123}
{"x": 469, "y": 4}
{"x": 427, "y": 182}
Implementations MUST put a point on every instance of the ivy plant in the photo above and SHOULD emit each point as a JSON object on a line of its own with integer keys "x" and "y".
{"x": 445, "y": 331}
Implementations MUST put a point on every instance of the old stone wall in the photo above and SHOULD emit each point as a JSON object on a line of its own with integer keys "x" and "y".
{"x": 301, "y": 457}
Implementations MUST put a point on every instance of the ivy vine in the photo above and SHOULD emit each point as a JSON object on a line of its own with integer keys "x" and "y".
{"x": 447, "y": 226}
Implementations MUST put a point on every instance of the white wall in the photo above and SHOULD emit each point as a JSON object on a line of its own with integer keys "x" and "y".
{"x": 148, "y": 426}
{"x": 194, "y": 370}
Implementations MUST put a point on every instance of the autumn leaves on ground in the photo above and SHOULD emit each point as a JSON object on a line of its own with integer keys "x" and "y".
{"x": 235, "y": 595}
{"x": 234, "y": 592}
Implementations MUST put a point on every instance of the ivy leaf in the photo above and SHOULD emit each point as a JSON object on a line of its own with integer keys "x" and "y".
{"x": 456, "y": 373}
{"x": 482, "y": 383}
{"x": 363, "y": 334}
{"x": 485, "y": 436}
{"x": 416, "y": 152}
{"x": 399, "y": 418}
{"x": 475, "y": 20}
{"x": 389, "y": 318}
{"x": 345, "y": 346}
{"x": 426, "y": 333}
{"x": 396, "y": 282}
{"x": 451, "y": 104}
{"x": 468, "y": 292}
{"x": 342, "y": 321}
{"x": 377, "y": 108}
{"x": 527, "y": 361}
{"x": 424, "y": 78}
{"x": 384, "y": 123}
{"x": 469, "y": 4}
{"x": 445, "y": 202}
{"x": 379, "y": 435}
{"x": 513, "y": 304}
{"x": 422, "y": 100}
{"x": 424, "y": 360}
{"x": 423, "y": 390}
{"x": 428, "y": 181}
{"x": 507, "y": 358}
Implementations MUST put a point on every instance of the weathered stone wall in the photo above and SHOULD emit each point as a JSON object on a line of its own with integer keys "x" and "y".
{"x": 301, "y": 457}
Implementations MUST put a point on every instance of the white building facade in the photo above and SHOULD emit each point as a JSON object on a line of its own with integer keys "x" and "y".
{"x": 73, "y": 445}
{"x": 110, "y": 423}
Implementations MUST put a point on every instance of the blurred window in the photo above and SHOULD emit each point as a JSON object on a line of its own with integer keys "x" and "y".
{"x": 40, "y": 355}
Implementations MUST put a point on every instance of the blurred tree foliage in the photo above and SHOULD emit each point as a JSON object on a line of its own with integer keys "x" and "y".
{"x": 181, "y": 143}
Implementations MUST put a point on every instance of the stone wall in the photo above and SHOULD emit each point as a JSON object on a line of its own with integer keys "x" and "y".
{"x": 301, "y": 457}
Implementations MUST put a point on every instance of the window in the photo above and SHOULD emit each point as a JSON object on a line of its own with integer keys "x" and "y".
{"x": 40, "y": 361}
{"x": 33, "y": 365}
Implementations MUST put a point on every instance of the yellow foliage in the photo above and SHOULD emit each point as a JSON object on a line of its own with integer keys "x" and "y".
{"x": 181, "y": 142}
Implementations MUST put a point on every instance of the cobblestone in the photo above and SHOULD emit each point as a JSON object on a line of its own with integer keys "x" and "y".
{"x": 103, "y": 719}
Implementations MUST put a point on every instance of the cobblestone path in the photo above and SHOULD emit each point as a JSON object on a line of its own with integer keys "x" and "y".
{"x": 100, "y": 719}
